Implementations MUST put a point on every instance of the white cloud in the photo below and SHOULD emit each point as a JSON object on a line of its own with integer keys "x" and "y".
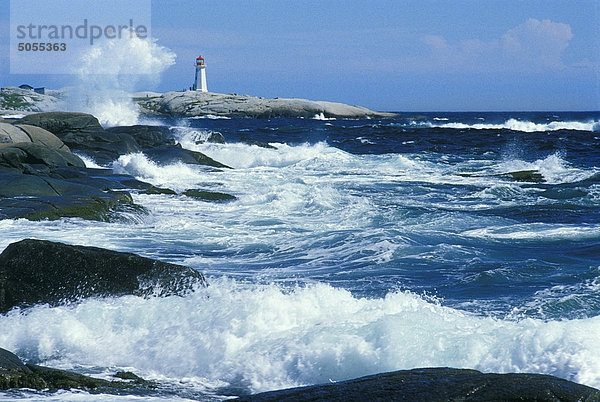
{"x": 532, "y": 46}
{"x": 538, "y": 42}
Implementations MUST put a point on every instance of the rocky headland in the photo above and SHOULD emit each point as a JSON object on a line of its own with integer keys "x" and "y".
{"x": 196, "y": 103}
{"x": 14, "y": 100}
{"x": 191, "y": 104}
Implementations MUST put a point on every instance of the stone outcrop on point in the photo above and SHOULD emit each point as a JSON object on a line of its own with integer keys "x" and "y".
{"x": 197, "y": 103}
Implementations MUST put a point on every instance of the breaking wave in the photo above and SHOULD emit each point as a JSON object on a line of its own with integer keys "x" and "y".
{"x": 526, "y": 126}
{"x": 264, "y": 337}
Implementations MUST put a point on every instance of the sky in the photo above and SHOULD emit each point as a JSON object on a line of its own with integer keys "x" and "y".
{"x": 389, "y": 55}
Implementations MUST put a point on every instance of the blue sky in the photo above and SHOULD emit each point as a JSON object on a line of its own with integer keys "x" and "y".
{"x": 416, "y": 55}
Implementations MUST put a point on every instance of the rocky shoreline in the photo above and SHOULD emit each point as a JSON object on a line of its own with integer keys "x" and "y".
{"x": 42, "y": 272}
{"x": 41, "y": 177}
{"x": 37, "y": 271}
{"x": 196, "y": 103}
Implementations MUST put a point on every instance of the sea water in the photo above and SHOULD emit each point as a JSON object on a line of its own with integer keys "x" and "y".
{"x": 354, "y": 247}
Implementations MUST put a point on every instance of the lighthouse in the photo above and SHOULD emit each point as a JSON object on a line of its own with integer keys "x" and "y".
{"x": 200, "y": 83}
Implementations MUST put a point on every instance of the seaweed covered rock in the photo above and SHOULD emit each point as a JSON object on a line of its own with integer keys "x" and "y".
{"x": 42, "y": 197}
{"x": 439, "y": 384}
{"x": 209, "y": 195}
{"x": 16, "y": 374}
{"x": 39, "y": 271}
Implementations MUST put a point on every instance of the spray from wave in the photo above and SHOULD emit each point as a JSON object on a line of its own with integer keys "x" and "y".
{"x": 110, "y": 71}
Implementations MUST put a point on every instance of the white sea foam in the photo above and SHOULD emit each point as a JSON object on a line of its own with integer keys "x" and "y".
{"x": 264, "y": 337}
{"x": 321, "y": 116}
{"x": 240, "y": 155}
{"x": 89, "y": 162}
{"x": 178, "y": 176}
{"x": 526, "y": 126}
{"x": 553, "y": 168}
{"x": 537, "y": 232}
{"x": 210, "y": 117}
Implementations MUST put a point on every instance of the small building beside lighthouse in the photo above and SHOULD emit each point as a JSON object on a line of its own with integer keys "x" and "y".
{"x": 200, "y": 82}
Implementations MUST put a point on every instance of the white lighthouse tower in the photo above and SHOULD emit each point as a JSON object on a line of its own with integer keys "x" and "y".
{"x": 200, "y": 83}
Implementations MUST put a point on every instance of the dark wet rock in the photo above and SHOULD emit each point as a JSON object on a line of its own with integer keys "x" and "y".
{"x": 103, "y": 179}
{"x": 14, "y": 184}
{"x": 63, "y": 124}
{"x": 16, "y": 374}
{"x": 158, "y": 190}
{"x": 28, "y": 157}
{"x": 146, "y": 136}
{"x": 209, "y": 195}
{"x": 439, "y": 384}
{"x": 128, "y": 375}
{"x": 83, "y": 133}
{"x": 9, "y": 361}
{"x": 532, "y": 176}
{"x": 41, "y": 197}
{"x": 39, "y": 271}
{"x": 17, "y": 133}
{"x": 261, "y": 144}
{"x": 529, "y": 176}
{"x": 215, "y": 137}
{"x": 563, "y": 193}
{"x": 177, "y": 154}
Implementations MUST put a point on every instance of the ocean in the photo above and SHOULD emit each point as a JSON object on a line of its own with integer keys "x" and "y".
{"x": 467, "y": 240}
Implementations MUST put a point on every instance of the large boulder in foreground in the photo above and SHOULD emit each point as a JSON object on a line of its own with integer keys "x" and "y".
{"x": 39, "y": 271}
{"x": 439, "y": 384}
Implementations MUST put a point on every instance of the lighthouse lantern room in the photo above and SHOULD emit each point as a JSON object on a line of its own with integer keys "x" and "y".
{"x": 200, "y": 82}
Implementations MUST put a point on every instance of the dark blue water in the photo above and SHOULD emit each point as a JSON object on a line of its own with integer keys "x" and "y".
{"x": 354, "y": 247}
{"x": 512, "y": 201}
